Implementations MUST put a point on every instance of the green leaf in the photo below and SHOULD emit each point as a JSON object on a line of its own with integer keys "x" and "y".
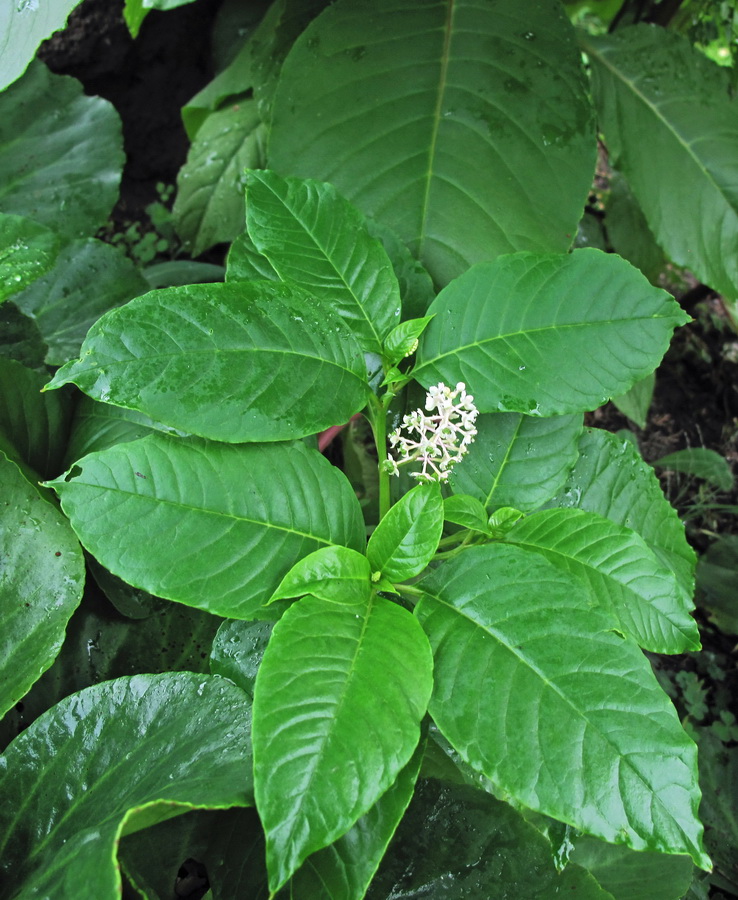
{"x": 178, "y": 272}
{"x": 227, "y": 843}
{"x": 232, "y": 81}
{"x": 526, "y": 333}
{"x": 457, "y": 842}
{"x": 405, "y": 540}
{"x": 634, "y": 876}
{"x": 637, "y": 401}
{"x": 700, "y": 462}
{"x": 628, "y": 231}
{"x": 312, "y": 236}
{"x": 20, "y": 338}
{"x": 610, "y": 478}
{"x": 251, "y": 361}
{"x": 245, "y": 263}
{"x": 622, "y": 574}
{"x": 343, "y": 870}
{"x": 331, "y": 573}
{"x": 719, "y": 779}
{"x": 22, "y": 28}
{"x": 517, "y": 460}
{"x": 561, "y": 693}
{"x": 328, "y": 744}
{"x": 61, "y": 153}
{"x": 41, "y": 581}
{"x": 416, "y": 285}
{"x": 27, "y": 250}
{"x": 89, "y": 279}
{"x": 395, "y": 131}
{"x": 209, "y": 208}
{"x": 403, "y": 340}
{"x": 97, "y": 426}
{"x": 237, "y": 650}
{"x": 462, "y": 509}
{"x": 135, "y": 751}
{"x": 665, "y": 108}
{"x": 35, "y": 424}
{"x": 210, "y": 525}
{"x": 717, "y": 582}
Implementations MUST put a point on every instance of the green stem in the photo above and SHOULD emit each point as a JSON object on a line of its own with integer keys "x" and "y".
{"x": 378, "y": 420}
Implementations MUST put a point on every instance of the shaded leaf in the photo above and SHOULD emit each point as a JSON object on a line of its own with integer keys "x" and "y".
{"x": 517, "y": 460}
{"x": 623, "y": 575}
{"x": 628, "y": 231}
{"x": 89, "y": 279}
{"x": 237, "y": 650}
{"x": 209, "y": 208}
{"x": 637, "y": 401}
{"x": 717, "y": 582}
{"x": 41, "y": 579}
{"x": 245, "y": 263}
{"x": 547, "y": 334}
{"x": 134, "y": 754}
{"x": 61, "y": 153}
{"x": 650, "y": 81}
{"x": 700, "y": 462}
{"x": 20, "y": 338}
{"x": 471, "y": 82}
{"x": 251, "y": 361}
{"x": 328, "y": 744}
{"x": 211, "y": 525}
{"x": 531, "y": 682}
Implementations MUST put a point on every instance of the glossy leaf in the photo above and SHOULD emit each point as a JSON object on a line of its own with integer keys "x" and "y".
{"x": 462, "y": 509}
{"x": 35, "y": 424}
{"x": 610, "y": 478}
{"x": 650, "y": 81}
{"x": 457, "y": 842}
{"x": 405, "y": 540}
{"x": 61, "y": 153}
{"x": 343, "y": 870}
{"x": 331, "y": 573}
{"x": 623, "y": 575}
{"x": 314, "y": 237}
{"x": 210, "y": 525}
{"x": 634, "y": 876}
{"x": 233, "y": 362}
{"x": 22, "y": 28}
{"x": 700, "y": 462}
{"x": 237, "y": 651}
{"x": 328, "y": 744}
{"x": 245, "y": 263}
{"x": 403, "y": 340}
{"x": 547, "y": 334}
{"x": 209, "y": 208}
{"x": 89, "y": 279}
{"x": 41, "y": 581}
{"x": 517, "y": 460}
{"x": 134, "y": 751}
{"x": 532, "y": 682}
{"x": 470, "y": 82}
{"x": 27, "y": 250}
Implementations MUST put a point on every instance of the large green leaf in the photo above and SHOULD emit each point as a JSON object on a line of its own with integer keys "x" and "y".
{"x": 61, "y": 153}
{"x": 405, "y": 540}
{"x": 211, "y": 525}
{"x": 251, "y": 361}
{"x": 610, "y": 478}
{"x": 622, "y": 573}
{"x": 517, "y": 460}
{"x": 392, "y": 102}
{"x": 209, "y": 208}
{"x": 535, "y": 690}
{"x": 312, "y": 236}
{"x": 23, "y": 25}
{"x": 547, "y": 334}
{"x": 27, "y": 250}
{"x": 666, "y": 111}
{"x": 41, "y": 580}
{"x": 109, "y": 761}
{"x": 328, "y": 744}
{"x": 457, "y": 843}
{"x": 88, "y": 279}
{"x": 35, "y": 424}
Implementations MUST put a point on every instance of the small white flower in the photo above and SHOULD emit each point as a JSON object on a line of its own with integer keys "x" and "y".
{"x": 444, "y": 432}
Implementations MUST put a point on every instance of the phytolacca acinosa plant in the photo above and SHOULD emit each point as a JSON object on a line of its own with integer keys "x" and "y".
{"x": 437, "y": 438}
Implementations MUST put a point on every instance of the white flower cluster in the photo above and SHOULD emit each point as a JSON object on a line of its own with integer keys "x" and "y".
{"x": 443, "y": 433}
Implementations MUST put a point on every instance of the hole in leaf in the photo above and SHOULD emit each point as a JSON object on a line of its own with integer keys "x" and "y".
{"x": 192, "y": 880}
